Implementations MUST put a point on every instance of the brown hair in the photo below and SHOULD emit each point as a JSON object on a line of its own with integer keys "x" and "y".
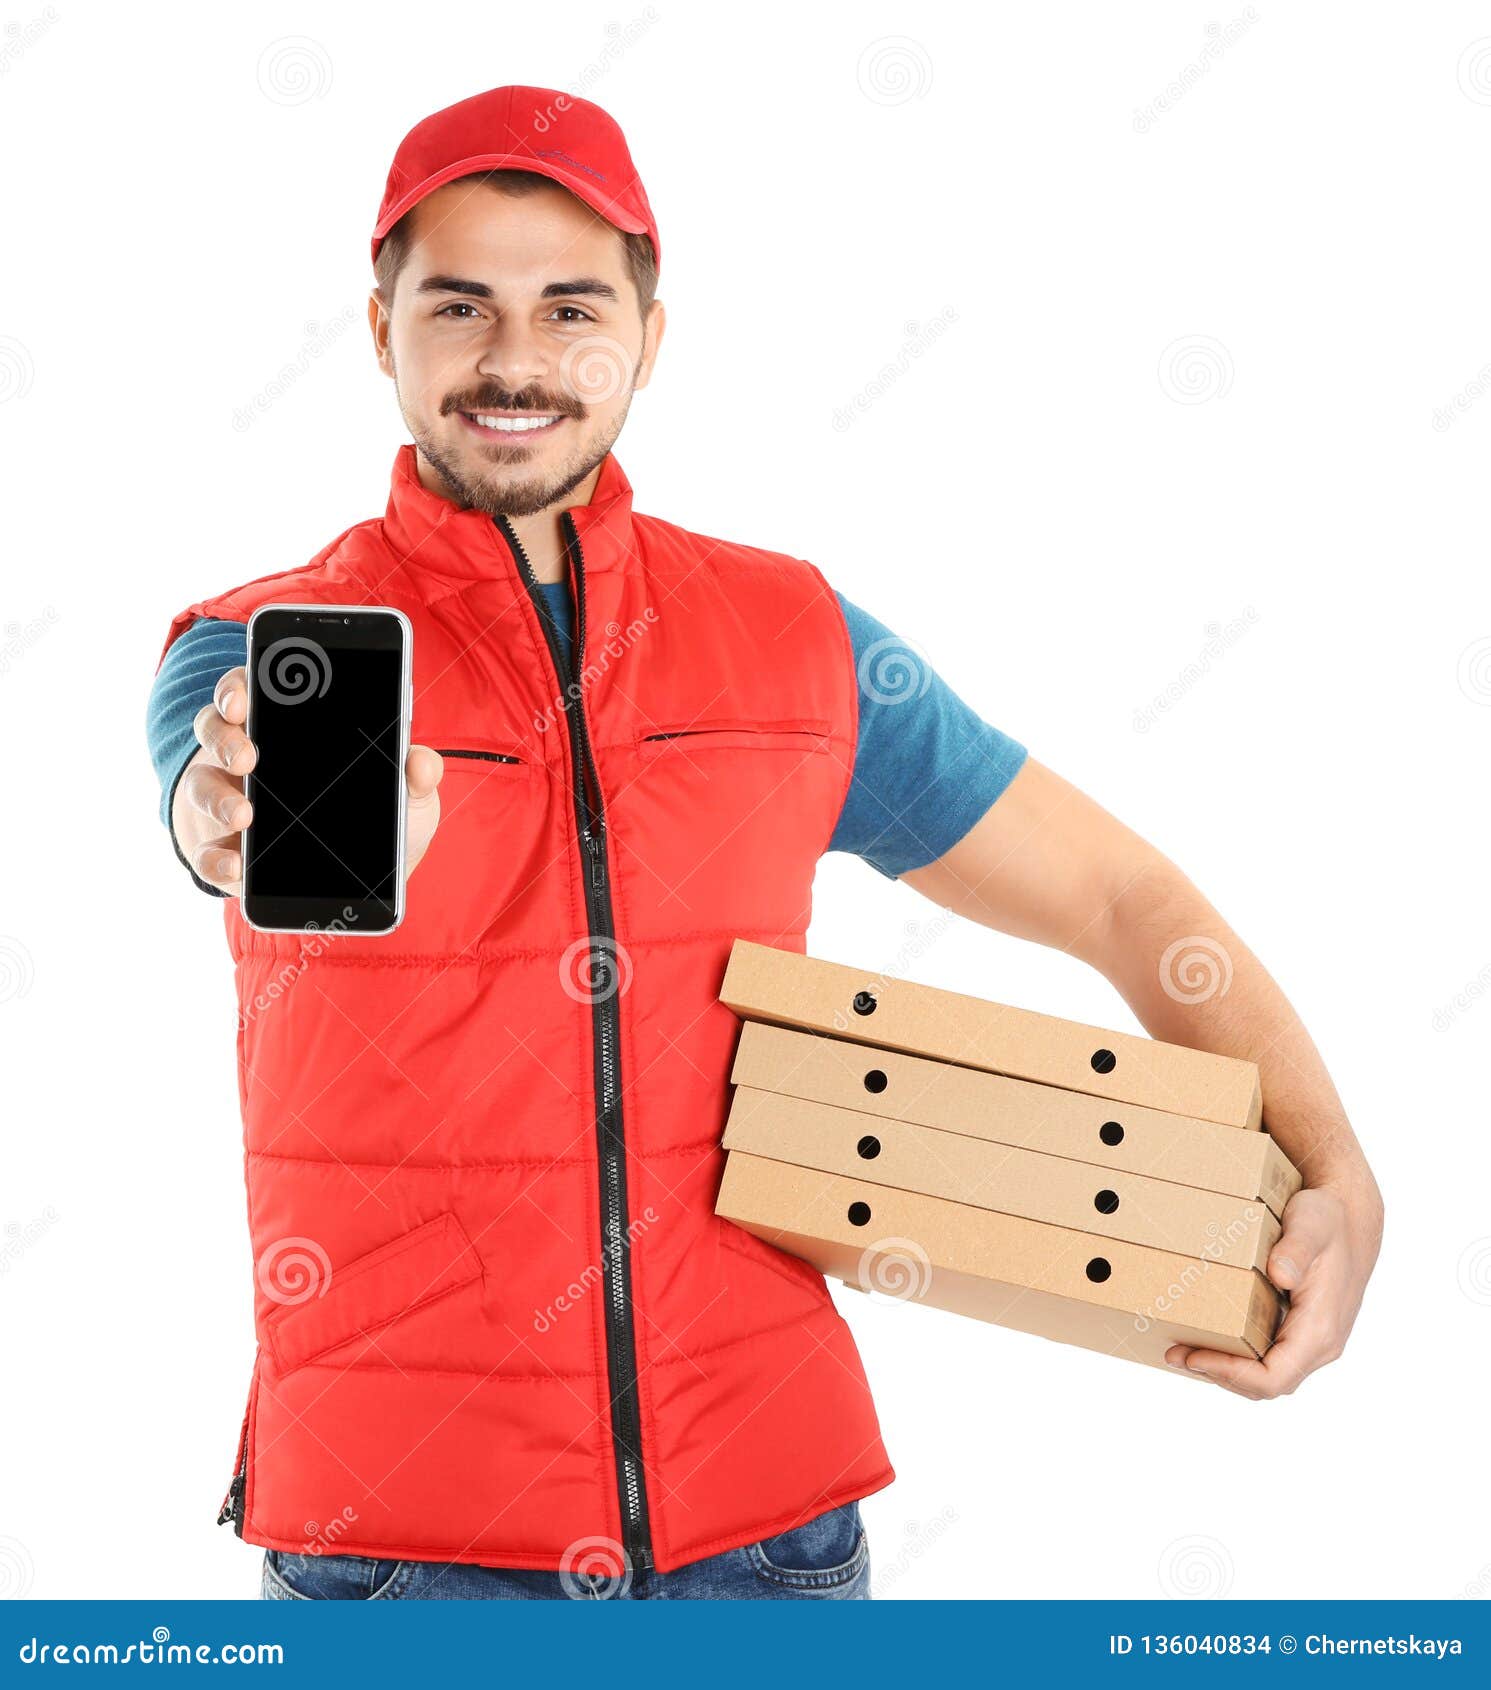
{"x": 641, "y": 261}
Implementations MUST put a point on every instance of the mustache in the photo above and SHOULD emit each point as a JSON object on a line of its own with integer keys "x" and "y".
{"x": 505, "y": 399}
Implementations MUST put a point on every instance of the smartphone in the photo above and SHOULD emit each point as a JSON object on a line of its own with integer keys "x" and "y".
{"x": 329, "y": 706}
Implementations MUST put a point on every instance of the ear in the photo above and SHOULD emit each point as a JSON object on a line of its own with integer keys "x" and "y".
{"x": 652, "y": 339}
{"x": 379, "y": 321}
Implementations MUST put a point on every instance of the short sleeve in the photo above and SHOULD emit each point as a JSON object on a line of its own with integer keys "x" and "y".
{"x": 926, "y": 767}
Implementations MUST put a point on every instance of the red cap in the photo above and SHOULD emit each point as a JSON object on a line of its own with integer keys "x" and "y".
{"x": 552, "y": 134}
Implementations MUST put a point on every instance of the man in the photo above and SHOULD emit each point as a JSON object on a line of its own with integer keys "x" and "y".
{"x": 506, "y": 1348}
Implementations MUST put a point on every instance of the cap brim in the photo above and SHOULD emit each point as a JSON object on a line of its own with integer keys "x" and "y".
{"x": 580, "y": 185}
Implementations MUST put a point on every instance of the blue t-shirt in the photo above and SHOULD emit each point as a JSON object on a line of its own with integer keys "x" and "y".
{"x": 926, "y": 766}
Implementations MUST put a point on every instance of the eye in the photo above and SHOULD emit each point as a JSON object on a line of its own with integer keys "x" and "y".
{"x": 570, "y": 314}
{"x": 458, "y": 305}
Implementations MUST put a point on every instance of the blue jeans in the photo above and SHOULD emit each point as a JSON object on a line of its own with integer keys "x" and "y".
{"x": 828, "y": 1559}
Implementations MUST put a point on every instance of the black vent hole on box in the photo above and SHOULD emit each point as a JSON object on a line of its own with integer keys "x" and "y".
{"x": 1104, "y": 1061}
{"x": 1106, "y": 1202}
{"x": 876, "y": 1080}
{"x": 1111, "y": 1133}
{"x": 864, "y": 1003}
{"x": 859, "y": 1214}
{"x": 868, "y": 1147}
{"x": 1099, "y": 1269}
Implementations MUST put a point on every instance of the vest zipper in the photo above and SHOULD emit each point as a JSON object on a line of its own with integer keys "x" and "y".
{"x": 590, "y": 824}
{"x": 232, "y": 1508}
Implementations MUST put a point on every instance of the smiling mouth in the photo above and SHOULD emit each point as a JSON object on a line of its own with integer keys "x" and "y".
{"x": 510, "y": 423}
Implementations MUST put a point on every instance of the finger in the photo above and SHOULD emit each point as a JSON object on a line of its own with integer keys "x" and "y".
{"x": 220, "y": 864}
{"x": 1303, "y": 1344}
{"x": 1241, "y": 1374}
{"x": 227, "y": 744}
{"x": 1310, "y": 1334}
{"x": 422, "y": 771}
{"x": 231, "y": 697}
{"x": 217, "y": 795}
{"x": 1310, "y": 1222}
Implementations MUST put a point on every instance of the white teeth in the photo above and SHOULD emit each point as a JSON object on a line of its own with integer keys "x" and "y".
{"x": 514, "y": 425}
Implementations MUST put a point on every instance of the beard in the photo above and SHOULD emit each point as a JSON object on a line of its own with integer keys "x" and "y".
{"x": 500, "y": 486}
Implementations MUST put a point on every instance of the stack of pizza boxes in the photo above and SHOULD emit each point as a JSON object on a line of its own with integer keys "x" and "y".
{"x": 1093, "y": 1187}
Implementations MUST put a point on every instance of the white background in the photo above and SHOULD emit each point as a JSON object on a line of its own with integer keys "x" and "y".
{"x": 1058, "y": 507}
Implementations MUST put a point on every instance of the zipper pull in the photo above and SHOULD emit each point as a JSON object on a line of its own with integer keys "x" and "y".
{"x": 595, "y": 847}
{"x": 233, "y": 1505}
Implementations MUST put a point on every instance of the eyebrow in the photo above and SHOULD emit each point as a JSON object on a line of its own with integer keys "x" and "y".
{"x": 590, "y": 287}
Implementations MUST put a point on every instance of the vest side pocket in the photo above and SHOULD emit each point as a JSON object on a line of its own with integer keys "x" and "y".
{"x": 373, "y": 1290}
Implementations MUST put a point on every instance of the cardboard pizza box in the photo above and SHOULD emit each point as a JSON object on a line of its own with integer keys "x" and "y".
{"x": 1073, "y": 1287}
{"x": 765, "y": 984}
{"x": 1123, "y": 1138}
{"x": 1124, "y": 1206}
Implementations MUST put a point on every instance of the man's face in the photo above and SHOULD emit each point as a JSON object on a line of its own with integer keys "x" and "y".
{"x": 515, "y": 343}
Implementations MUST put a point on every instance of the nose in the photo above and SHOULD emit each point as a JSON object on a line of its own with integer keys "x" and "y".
{"x": 512, "y": 355}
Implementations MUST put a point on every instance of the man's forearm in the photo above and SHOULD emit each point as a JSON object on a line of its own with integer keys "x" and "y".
{"x": 1192, "y": 981}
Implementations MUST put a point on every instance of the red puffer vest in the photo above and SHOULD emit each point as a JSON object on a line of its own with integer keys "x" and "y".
{"x": 498, "y": 1320}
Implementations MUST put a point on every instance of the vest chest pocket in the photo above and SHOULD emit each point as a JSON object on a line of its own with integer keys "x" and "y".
{"x": 727, "y": 818}
{"x": 491, "y": 821}
{"x": 732, "y": 734}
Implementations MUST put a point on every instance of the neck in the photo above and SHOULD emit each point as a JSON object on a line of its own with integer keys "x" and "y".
{"x": 540, "y": 533}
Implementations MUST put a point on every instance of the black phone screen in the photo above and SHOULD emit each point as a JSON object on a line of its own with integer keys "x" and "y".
{"x": 325, "y": 704}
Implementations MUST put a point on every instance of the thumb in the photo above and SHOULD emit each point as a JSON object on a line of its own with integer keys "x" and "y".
{"x": 1308, "y": 1226}
{"x": 422, "y": 771}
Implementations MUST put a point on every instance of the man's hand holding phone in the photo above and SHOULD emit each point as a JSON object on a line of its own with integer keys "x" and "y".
{"x": 210, "y": 811}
